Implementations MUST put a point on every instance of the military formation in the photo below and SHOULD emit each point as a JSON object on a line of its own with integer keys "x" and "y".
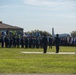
{"x": 21, "y": 42}
{"x": 33, "y": 42}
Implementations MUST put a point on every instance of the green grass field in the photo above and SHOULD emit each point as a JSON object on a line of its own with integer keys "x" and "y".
{"x": 13, "y": 61}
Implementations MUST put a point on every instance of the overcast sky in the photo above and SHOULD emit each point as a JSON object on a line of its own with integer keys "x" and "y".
{"x": 40, "y": 14}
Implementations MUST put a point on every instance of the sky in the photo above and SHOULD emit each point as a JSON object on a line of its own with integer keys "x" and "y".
{"x": 40, "y": 14}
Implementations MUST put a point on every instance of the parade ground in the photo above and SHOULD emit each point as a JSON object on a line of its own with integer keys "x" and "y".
{"x": 32, "y": 61}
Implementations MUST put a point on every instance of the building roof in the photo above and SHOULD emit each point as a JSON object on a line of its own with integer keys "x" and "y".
{"x": 7, "y": 26}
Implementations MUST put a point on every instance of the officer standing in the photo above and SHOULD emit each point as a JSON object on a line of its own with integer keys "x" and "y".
{"x": 2, "y": 41}
{"x": 57, "y": 42}
{"x": 26, "y": 42}
{"x": 50, "y": 42}
{"x": 45, "y": 43}
{"x": 22, "y": 42}
{"x": 18, "y": 41}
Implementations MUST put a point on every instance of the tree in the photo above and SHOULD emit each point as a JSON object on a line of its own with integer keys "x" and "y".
{"x": 73, "y": 34}
{"x": 39, "y": 31}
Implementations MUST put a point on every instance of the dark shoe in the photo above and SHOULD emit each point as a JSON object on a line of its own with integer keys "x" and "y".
{"x": 57, "y": 52}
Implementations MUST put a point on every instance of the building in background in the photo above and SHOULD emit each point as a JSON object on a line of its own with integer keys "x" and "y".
{"x": 6, "y": 29}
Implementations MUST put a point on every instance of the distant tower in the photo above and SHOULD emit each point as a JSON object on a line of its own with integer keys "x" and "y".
{"x": 52, "y": 31}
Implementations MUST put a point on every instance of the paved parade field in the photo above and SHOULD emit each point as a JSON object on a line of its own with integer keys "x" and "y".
{"x": 21, "y": 61}
{"x": 49, "y": 53}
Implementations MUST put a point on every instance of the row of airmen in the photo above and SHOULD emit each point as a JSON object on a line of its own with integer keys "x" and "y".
{"x": 23, "y": 42}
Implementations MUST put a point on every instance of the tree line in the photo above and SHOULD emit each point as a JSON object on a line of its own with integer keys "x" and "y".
{"x": 38, "y": 32}
{"x": 73, "y": 33}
